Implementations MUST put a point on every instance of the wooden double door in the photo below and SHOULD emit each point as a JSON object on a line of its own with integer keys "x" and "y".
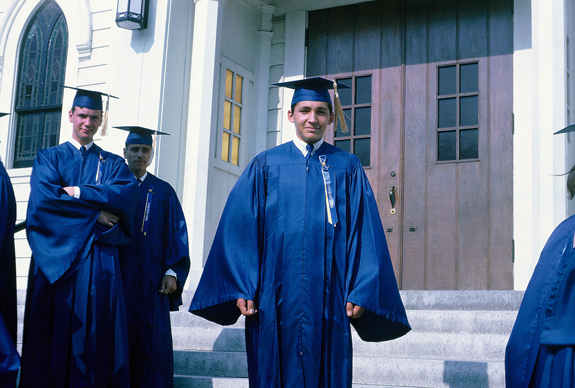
{"x": 430, "y": 116}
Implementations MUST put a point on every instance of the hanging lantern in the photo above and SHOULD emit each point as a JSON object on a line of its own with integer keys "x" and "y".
{"x": 132, "y": 14}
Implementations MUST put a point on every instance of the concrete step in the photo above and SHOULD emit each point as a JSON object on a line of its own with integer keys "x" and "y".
{"x": 371, "y": 371}
{"x": 464, "y": 347}
{"x": 181, "y": 381}
{"x": 462, "y": 300}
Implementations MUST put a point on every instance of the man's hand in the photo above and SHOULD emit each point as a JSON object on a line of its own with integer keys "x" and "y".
{"x": 247, "y": 307}
{"x": 353, "y": 311}
{"x": 107, "y": 218}
{"x": 169, "y": 285}
{"x": 69, "y": 190}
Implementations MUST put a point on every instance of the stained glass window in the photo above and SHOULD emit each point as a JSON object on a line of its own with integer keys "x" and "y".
{"x": 40, "y": 72}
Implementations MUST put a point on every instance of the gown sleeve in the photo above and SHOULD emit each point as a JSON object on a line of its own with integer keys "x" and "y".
{"x": 49, "y": 205}
{"x": 371, "y": 281}
{"x": 233, "y": 265}
{"x": 176, "y": 253}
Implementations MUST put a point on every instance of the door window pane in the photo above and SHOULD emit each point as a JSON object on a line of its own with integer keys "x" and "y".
{"x": 468, "y": 144}
{"x": 447, "y": 109}
{"x": 362, "y": 121}
{"x": 446, "y": 149}
{"x": 469, "y": 78}
{"x": 468, "y": 111}
{"x": 362, "y": 149}
{"x": 345, "y": 93}
{"x": 447, "y": 79}
{"x": 343, "y": 145}
{"x": 363, "y": 90}
{"x": 347, "y": 114}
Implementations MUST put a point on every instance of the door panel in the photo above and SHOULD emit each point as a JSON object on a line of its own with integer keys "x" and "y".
{"x": 453, "y": 224}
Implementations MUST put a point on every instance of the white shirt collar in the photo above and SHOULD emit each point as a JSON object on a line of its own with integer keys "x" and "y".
{"x": 300, "y": 144}
{"x": 78, "y": 145}
{"x": 143, "y": 177}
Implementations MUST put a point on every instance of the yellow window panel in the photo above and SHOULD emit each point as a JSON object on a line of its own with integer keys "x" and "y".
{"x": 239, "y": 83}
{"x": 227, "y": 115}
{"x": 229, "y": 83}
{"x": 237, "y": 119}
{"x": 226, "y": 147}
{"x": 235, "y": 150}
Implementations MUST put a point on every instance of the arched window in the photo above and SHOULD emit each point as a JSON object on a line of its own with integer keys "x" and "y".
{"x": 40, "y": 72}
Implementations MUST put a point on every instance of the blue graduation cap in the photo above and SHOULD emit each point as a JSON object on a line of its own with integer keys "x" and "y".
{"x": 140, "y": 135}
{"x": 89, "y": 99}
{"x": 311, "y": 89}
{"x": 569, "y": 128}
{"x": 316, "y": 89}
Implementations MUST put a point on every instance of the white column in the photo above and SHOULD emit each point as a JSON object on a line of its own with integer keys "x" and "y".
{"x": 539, "y": 109}
{"x": 294, "y": 67}
{"x": 205, "y": 60}
{"x": 263, "y": 75}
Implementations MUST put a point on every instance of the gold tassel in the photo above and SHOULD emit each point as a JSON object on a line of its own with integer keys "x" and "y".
{"x": 338, "y": 111}
{"x": 105, "y": 119}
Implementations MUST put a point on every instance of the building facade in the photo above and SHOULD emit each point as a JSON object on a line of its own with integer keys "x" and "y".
{"x": 452, "y": 107}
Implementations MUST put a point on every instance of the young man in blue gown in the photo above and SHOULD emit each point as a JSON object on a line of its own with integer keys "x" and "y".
{"x": 9, "y": 359}
{"x": 300, "y": 251}
{"x": 540, "y": 352}
{"x": 155, "y": 265}
{"x": 81, "y": 208}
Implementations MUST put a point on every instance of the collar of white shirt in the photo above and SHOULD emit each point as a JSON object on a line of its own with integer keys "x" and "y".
{"x": 142, "y": 178}
{"x": 78, "y": 145}
{"x": 300, "y": 144}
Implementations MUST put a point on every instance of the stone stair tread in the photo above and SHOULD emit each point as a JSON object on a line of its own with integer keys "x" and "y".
{"x": 183, "y": 381}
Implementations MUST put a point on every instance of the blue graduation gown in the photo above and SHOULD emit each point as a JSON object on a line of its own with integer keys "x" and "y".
{"x": 274, "y": 245}
{"x": 75, "y": 331}
{"x": 159, "y": 244}
{"x": 9, "y": 359}
{"x": 544, "y": 327}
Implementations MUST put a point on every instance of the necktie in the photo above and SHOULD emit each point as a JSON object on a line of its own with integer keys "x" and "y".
{"x": 139, "y": 181}
{"x": 83, "y": 150}
{"x": 309, "y": 148}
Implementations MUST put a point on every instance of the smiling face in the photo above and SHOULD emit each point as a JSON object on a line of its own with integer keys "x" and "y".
{"x": 311, "y": 119}
{"x": 138, "y": 157}
{"x": 85, "y": 123}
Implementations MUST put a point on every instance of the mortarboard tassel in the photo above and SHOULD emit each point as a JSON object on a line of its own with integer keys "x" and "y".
{"x": 338, "y": 110}
{"x": 105, "y": 119}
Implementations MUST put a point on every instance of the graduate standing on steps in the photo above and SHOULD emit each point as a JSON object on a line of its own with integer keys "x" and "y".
{"x": 9, "y": 358}
{"x": 155, "y": 265}
{"x": 540, "y": 352}
{"x": 300, "y": 251}
{"x": 81, "y": 208}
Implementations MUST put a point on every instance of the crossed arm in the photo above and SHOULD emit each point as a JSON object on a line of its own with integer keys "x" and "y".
{"x": 248, "y": 308}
